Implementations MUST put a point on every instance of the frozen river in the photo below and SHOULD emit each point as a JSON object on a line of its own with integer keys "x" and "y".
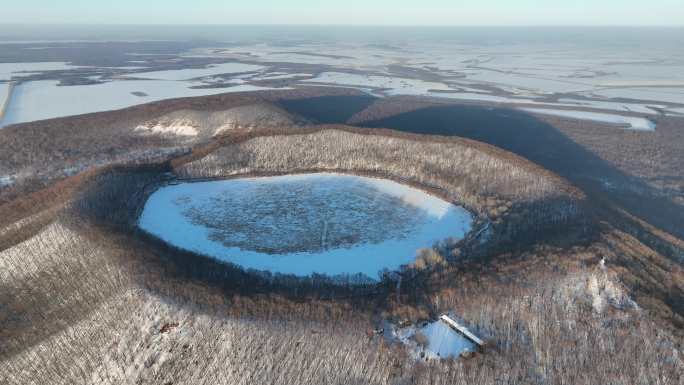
{"x": 323, "y": 223}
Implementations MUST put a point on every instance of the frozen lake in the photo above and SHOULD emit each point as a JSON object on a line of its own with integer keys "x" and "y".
{"x": 325, "y": 223}
{"x": 44, "y": 99}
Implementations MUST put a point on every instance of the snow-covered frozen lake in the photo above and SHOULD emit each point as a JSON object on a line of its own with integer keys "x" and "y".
{"x": 325, "y": 223}
{"x": 44, "y": 99}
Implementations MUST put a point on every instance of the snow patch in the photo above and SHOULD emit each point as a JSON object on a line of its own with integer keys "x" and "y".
{"x": 177, "y": 127}
{"x": 211, "y": 123}
{"x": 630, "y": 122}
{"x": 604, "y": 291}
{"x": 6, "y": 180}
{"x": 433, "y": 340}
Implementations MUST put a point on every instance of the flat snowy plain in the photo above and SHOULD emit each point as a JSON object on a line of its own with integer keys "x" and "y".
{"x": 193, "y": 73}
{"x": 44, "y": 99}
{"x": 499, "y": 73}
{"x": 11, "y": 70}
{"x": 324, "y": 223}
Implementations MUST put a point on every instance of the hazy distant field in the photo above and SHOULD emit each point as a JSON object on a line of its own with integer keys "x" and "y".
{"x": 620, "y": 73}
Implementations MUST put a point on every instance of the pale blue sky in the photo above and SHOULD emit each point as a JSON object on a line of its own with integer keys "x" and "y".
{"x": 382, "y": 12}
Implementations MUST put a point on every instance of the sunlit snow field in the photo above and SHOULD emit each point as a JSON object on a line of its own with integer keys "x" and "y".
{"x": 624, "y": 72}
{"x": 325, "y": 223}
{"x": 44, "y": 99}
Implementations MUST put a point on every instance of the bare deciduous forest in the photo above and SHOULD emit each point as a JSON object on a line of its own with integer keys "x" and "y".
{"x": 560, "y": 294}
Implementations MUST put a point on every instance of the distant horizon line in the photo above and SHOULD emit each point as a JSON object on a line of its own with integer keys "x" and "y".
{"x": 347, "y": 25}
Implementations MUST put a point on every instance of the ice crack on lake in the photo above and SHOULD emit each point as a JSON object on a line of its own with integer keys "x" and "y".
{"x": 303, "y": 216}
{"x": 302, "y": 224}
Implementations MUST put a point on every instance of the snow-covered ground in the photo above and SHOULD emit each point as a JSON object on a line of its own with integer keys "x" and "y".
{"x": 10, "y": 70}
{"x": 324, "y": 223}
{"x": 193, "y": 73}
{"x": 179, "y": 127}
{"x": 527, "y": 81}
{"x": 442, "y": 341}
{"x": 406, "y": 86}
{"x": 394, "y": 85}
{"x": 45, "y": 99}
{"x": 191, "y": 123}
{"x": 562, "y": 102}
{"x": 629, "y": 122}
{"x": 510, "y": 72}
{"x": 677, "y": 111}
{"x": 608, "y": 105}
{"x": 482, "y": 97}
{"x": 279, "y": 76}
{"x": 664, "y": 94}
{"x": 493, "y": 70}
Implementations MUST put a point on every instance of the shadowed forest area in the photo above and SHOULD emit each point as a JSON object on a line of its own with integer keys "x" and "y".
{"x": 534, "y": 139}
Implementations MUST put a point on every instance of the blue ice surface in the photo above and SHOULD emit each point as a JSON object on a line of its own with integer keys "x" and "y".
{"x": 163, "y": 217}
